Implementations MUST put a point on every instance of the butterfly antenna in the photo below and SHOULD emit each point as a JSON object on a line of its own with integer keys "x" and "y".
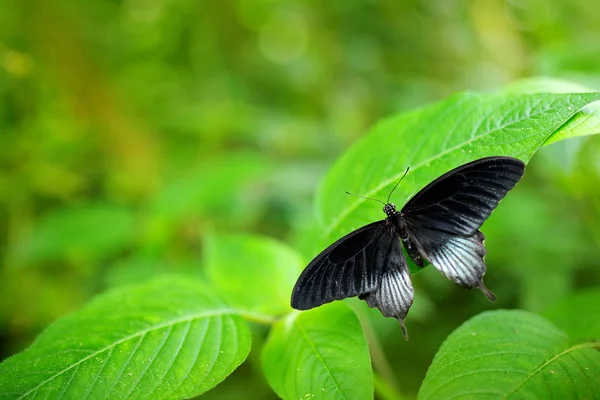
{"x": 390, "y": 195}
{"x": 363, "y": 197}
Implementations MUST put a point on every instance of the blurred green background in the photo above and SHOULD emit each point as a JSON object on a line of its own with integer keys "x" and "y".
{"x": 132, "y": 129}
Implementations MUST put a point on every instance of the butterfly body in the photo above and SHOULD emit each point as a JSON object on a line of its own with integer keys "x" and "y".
{"x": 440, "y": 224}
{"x": 396, "y": 219}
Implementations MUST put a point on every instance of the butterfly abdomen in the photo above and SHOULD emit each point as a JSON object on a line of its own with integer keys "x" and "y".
{"x": 402, "y": 231}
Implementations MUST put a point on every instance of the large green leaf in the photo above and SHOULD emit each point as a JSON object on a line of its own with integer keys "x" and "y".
{"x": 168, "y": 338}
{"x": 319, "y": 354}
{"x": 434, "y": 140}
{"x": 253, "y": 273}
{"x": 512, "y": 355}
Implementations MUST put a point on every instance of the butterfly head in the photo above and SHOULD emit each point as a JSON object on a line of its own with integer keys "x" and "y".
{"x": 389, "y": 209}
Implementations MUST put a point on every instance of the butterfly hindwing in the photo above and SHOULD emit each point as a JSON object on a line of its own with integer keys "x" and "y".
{"x": 349, "y": 267}
{"x": 459, "y": 201}
{"x": 395, "y": 293}
{"x": 458, "y": 258}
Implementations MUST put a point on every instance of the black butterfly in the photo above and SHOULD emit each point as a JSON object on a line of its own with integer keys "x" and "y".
{"x": 439, "y": 224}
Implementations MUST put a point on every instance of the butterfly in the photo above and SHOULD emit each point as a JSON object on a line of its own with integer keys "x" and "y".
{"x": 440, "y": 225}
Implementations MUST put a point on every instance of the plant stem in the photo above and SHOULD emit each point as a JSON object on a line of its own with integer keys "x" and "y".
{"x": 383, "y": 390}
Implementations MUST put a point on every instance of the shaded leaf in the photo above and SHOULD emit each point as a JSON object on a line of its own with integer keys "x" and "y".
{"x": 578, "y": 316}
{"x": 319, "y": 354}
{"x": 214, "y": 187}
{"x": 86, "y": 231}
{"x": 169, "y": 338}
{"x": 512, "y": 355}
{"x": 517, "y": 237}
{"x": 139, "y": 267}
{"x": 253, "y": 273}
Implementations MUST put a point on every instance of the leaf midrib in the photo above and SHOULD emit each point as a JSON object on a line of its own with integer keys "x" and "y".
{"x": 170, "y": 323}
{"x": 548, "y": 362}
{"x": 530, "y": 375}
{"x": 319, "y": 357}
{"x": 336, "y": 222}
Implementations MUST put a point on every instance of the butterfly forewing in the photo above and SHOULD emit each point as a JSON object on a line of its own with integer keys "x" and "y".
{"x": 460, "y": 201}
{"x": 350, "y": 267}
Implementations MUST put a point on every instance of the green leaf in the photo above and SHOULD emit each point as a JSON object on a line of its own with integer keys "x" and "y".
{"x": 512, "y": 355}
{"x": 253, "y": 273}
{"x": 432, "y": 141}
{"x": 88, "y": 231}
{"x": 169, "y": 338}
{"x": 578, "y": 315}
{"x": 584, "y": 123}
{"x": 319, "y": 354}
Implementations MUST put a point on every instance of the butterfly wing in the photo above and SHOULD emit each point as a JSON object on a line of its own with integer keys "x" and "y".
{"x": 458, "y": 258}
{"x": 349, "y": 267}
{"x": 395, "y": 293}
{"x": 459, "y": 201}
{"x": 443, "y": 219}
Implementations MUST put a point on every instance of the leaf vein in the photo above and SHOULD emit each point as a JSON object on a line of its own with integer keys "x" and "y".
{"x": 91, "y": 386}
{"x": 129, "y": 337}
{"x": 197, "y": 356}
{"x": 174, "y": 358}
{"x": 68, "y": 385}
{"x": 319, "y": 357}
{"x": 154, "y": 356}
{"x": 548, "y": 362}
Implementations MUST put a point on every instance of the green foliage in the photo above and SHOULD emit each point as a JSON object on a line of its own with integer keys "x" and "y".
{"x": 78, "y": 232}
{"x": 512, "y": 354}
{"x": 143, "y": 140}
{"x": 253, "y": 274}
{"x": 320, "y": 354}
{"x": 185, "y": 194}
{"x": 178, "y": 337}
{"x": 582, "y": 325}
{"x": 169, "y": 338}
